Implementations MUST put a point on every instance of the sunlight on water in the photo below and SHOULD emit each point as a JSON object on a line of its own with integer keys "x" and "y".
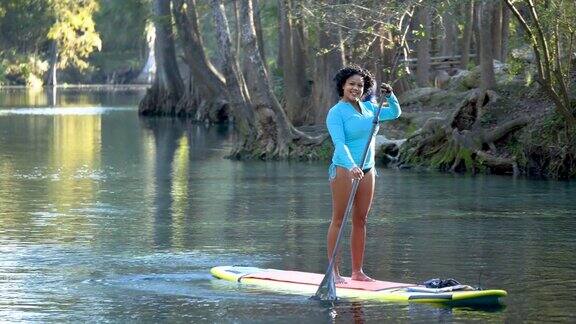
{"x": 74, "y": 97}
{"x": 62, "y": 111}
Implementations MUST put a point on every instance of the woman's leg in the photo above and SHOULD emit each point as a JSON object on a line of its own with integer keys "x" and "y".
{"x": 362, "y": 203}
{"x": 341, "y": 187}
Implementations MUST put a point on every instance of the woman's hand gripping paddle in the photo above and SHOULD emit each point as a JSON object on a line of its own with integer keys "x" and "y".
{"x": 327, "y": 289}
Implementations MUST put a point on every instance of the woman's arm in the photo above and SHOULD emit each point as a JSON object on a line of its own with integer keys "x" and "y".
{"x": 392, "y": 112}
{"x": 336, "y": 129}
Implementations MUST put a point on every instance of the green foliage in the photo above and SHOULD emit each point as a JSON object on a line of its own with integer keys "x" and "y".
{"x": 551, "y": 33}
{"x": 32, "y": 70}
{"x": 23, "y": 69}
{"x": 3, "y": 67}
{"x": 419, "y": 32}
{"x": 325, "y": 151}
{"x": 74, "y": 31}
{"x": 519, "y": 68}
{"x": 23, "y": 25}
{"x": 516, "y": 149}
{"x": 27, "y": 28}
{"x": 466, "y": 156}
{"x": 125, "y": 50}
{"x": 444, "y": 157}
{"x": 440, "y": 155}
{"x": 550, "y": 146}
{"x": 128, "y": 16}
{"x": 552, "y": 130}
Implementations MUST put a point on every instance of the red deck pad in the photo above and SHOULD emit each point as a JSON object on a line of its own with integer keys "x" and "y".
{"x": 316, "y": 279}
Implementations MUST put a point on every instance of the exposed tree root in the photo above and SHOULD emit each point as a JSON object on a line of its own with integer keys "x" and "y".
{"x": 460, "y": 143}
{"x": 269, "y": 145}
{"x": 191, "y": 105}
{"x": 158, "y": 101}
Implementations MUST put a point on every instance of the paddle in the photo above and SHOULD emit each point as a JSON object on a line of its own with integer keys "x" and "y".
{"x": 327, "y": 289}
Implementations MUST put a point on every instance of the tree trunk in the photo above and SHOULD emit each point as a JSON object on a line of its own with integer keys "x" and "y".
{"x": 284, "y": 41}
{"x": 293, "y": 62}
{"x": 251, "y": 75}
{"x": 327, "y": 63}
{"x": 496, "y": 24}
{"x": 259, "y": 34}
{"x": 447, "y": 45}
{"x": 168, "y": 73}
{"x": 244, "y": 118}
{"x": 300, "y": 54}
{"x": 505, "y": 33}
{"x": 193, "y": 45}
{"x": 487, "y": 78}
{"x": 163, "y": 97}
{"x": 51, "y": 79}
{"x": 423, "y": 48}
{"x": 404, "y": 27}
{"x": 205, "y": 99}
{"x": 467, "y": 33}
{"x": 384, "y": 50}
{"x": 273, "y": 122}
{"x": 476, "y": 30}
{"x": 237, "y": 36}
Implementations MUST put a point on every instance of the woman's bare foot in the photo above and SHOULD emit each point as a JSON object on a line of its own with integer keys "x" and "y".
{"x": 338, "y": 279}
{"x": 361, "y": 276}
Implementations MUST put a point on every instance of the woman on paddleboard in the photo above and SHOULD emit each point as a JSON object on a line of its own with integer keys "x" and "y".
{"x": 349, "y": 123}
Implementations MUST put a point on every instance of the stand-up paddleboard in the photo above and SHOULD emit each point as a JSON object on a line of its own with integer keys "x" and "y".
{"x": 305, "y": 283}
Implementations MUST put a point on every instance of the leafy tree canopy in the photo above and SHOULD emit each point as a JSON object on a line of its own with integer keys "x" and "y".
{"x": 74, "y": 31}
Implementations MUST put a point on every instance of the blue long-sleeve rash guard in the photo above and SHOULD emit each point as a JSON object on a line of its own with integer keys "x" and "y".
{"x": 349, "y": 130}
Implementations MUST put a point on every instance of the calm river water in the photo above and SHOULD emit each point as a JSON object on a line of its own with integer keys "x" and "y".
{"x": 108, "y": 217}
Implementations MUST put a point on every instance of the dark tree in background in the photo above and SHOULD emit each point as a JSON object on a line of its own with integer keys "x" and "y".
{"x": 487, "y": 50}
{"x": 168, "y": 87}
{"x": 204, "y": 96}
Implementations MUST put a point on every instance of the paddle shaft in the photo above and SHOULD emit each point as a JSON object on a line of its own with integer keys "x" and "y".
{"x": 328, "y": 281}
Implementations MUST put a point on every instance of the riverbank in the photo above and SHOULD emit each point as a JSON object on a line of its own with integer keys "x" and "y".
{"x": 513, "y": 130}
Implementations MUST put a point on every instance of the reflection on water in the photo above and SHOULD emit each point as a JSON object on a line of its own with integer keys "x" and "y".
{"x": 71, "y": 97}
{"x": 108, "y": 217}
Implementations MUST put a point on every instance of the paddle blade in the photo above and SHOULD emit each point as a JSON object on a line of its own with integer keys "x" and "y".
{"x": 327, "y": 289}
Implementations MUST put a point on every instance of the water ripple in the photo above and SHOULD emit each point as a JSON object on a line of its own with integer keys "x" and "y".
{"x": 62, "y": 111}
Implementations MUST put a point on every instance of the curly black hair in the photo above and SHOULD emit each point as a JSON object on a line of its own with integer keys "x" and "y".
{"x": 349, "y": 71}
